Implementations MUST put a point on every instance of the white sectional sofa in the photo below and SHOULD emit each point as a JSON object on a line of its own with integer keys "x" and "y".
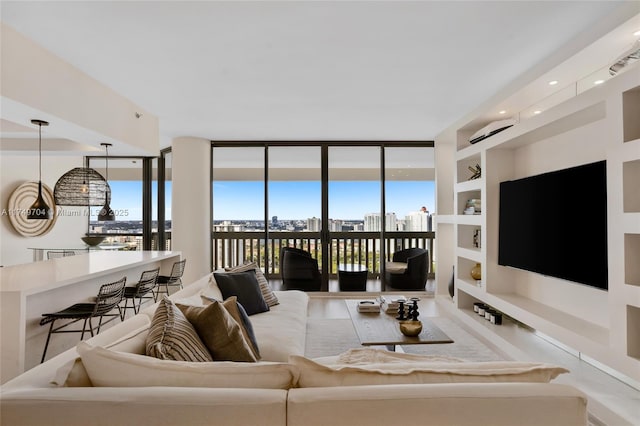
{"x": 40, "y": 396}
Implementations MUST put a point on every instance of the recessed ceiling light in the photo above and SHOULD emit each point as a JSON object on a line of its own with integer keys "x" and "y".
{"x": 502, "y": 112}
{"x": 553, "y": 82}
{"x": 598, "y": 82}
{"x": 637, "y": 33}
{"x": 537, "y": 111}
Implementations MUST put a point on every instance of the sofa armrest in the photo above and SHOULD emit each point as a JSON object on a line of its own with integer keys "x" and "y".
{"x": 472, "y": 404}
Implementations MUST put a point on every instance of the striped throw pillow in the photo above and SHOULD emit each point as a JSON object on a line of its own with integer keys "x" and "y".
{"x": 172, "y": 337}
{"x": 267, "y": 293}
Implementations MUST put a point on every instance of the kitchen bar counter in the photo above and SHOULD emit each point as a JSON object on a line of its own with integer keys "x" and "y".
{"x": 29, "y": 290}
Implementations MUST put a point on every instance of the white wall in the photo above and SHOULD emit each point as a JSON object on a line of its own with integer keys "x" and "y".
{"x": 584, "y": 145}
{"x": 191, "y": 205}
{"x": 68, "y": 229}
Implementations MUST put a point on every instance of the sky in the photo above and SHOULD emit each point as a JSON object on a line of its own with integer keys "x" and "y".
{"x": 301, "y": 200}
{"x": 244, "y": 200}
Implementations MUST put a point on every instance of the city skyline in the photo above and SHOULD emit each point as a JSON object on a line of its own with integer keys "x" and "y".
{"x": 244, "y": 200}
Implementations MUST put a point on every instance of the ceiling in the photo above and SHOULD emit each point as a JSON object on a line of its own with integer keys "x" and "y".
{"x": 307, "y": 70}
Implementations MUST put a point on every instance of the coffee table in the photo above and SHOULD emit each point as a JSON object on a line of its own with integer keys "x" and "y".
{"x": 380, "y": 329}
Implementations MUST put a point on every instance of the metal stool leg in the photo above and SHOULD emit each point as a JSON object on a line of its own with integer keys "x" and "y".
{"x": 46, "y": 345}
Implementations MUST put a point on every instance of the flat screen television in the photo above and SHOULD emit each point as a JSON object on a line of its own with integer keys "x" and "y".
{"x": 555, "y": 224}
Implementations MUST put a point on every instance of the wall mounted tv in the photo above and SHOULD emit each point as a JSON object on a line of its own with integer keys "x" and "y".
{"x": 555, "y": 224}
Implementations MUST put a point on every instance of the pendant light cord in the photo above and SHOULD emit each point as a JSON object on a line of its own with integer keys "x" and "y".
{"x": 106, "y": 149}
{"x": 40, "y": 152}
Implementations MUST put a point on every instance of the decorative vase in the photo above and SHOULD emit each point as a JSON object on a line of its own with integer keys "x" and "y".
{"x": 476, "y": 272}
{"x": 410, "y": 328}
{"x": 452, "y": 282}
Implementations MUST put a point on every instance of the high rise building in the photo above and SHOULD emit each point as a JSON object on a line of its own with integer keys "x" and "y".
{"x": 313, "y": 224}
{"x": 417, "y": 221}
{"x": 373, "y": 222}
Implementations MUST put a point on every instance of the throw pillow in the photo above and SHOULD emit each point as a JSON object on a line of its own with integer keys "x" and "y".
{"x": 120, "y": 369}
{"x": 240, "y": 315}
{"x": 221, "y": 334}
{"x": 172, "y": 337}
{"x": 245, "y": 286}
{"x": 211, "y": 289}
{"x": 265, "y": 288}
{"x": 313, "y": 374}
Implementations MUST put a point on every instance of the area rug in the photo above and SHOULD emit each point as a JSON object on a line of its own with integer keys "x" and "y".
{"x": 326, "y": 337}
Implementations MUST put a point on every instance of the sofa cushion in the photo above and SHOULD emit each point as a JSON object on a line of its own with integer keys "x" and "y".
{"x": 267, "y": 292}
{"x": 121, "y": 369}
{"x": 413, "y": 371}
{"x": 172, "y": 337}
{"x": 245, "y": 286}
{"x": 242, "y": 318}
{"x": 220, "y": 332}
{"x": 282, "y": 331}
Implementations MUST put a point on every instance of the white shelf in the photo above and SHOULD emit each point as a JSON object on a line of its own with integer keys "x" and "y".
{"x": 470, "y": 185}
{"x": 469, "y": 219}
{"x": 445, "y": 218}
{"x": 538, "y": 316}
{"x": 471, "y": 254}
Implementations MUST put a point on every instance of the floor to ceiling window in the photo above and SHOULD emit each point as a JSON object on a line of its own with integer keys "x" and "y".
{"x": 355, "y": 207}
{"x": 125, "y": 177}
{"x": 238, "y": 198}
{"x": 346, "y": 204}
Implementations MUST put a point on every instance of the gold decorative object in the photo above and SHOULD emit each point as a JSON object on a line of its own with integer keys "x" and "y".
{"x": 20, "y": 202}
{"x": 410, "y": 328}
{"x": 476, "y": 272}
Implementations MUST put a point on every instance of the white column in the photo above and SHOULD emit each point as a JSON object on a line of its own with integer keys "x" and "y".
{"x": 191, "y": 205}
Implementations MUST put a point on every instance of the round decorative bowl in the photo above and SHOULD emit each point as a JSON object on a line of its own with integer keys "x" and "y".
{"x": 92, "y": 240}
{"x": 410, "y": 328}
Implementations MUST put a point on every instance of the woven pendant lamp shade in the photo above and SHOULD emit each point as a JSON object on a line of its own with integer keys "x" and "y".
{"x": 82, "y": 186}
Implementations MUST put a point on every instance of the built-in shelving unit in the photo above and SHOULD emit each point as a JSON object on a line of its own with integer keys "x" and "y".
{"x": 601, "y": 123}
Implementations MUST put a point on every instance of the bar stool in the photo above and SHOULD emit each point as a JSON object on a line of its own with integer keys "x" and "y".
{"x": 109, "y": 298}
{"x": 147, "y": 283}
{"x": 173, "y": 280}
{"x": 55, "y": 254}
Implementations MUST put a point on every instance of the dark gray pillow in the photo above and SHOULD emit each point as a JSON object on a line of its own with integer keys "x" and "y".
{"x": 243, "y": 285}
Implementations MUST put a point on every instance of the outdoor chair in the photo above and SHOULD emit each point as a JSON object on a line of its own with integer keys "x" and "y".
{"x": 299, "y": 270}
{"x": 109, "y": 298}
{"x": 408, "y": 270}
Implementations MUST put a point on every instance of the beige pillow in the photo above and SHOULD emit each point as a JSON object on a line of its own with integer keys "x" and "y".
{"x": 313, "y": 374}
{"x": 121, "y": 369}
{"x": 266, "y": 290}
{"x": 73, "y": 373}
{"x": 211, "y": 290}
{"x": 172, "y": 337}
{"x": 219, "y": 331}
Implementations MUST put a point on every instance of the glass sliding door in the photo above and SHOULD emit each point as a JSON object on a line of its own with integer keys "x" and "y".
{"x": 355, "y": 210}
{"x": 409, "y": 199}
{"x": 294, "y": 202}
{"x": 238, "y": 198}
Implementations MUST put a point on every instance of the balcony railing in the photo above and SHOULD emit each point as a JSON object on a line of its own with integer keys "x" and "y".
{"x": 364, "y": 248}
{"x": 234, "y": 248}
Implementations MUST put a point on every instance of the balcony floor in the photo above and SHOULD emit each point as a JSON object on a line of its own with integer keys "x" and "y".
{"x": 373, "y": 286}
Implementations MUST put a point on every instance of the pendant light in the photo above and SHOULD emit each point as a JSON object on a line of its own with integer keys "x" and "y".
{"x": 81, "y": 186}
{"x": 106, "y": 214}
{"x": 39, "y": 209}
